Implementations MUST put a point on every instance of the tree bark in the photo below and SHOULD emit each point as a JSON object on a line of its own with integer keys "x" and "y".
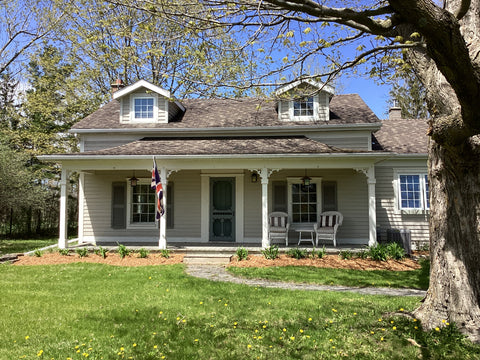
{"x": 454, "y": 291}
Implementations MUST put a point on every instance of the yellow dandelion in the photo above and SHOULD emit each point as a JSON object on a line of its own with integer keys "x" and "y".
{"x": 437, "y": 329}
{"x": 416, "y": 327}
{"x": 301, "y": 331}
{"x": 27, "y": 337}
{"x": 309, "y": 319}
{"x": 415, "y": 320}
{"x": 77, "y": 346}
{"x": 264, "y": 326}
{"x": 284, "y": 330}
{"x": 122, "y": 349}
{"x": 391, "y": 322}
{"x": 184, "y": 321}
{"x": 372, "y": 332}
{"x": 401, "y": 309}
{"x": 447, "y": 324}
{"x": 292, "y": 338}
{"x": 226, "y": 304}
{"x": 394, "y": 328}
{"x": 40, "y": 353}
{"x": 134, "y": 345}
{"x": 249, "y": 346}
{"x": 354, "y": 313}
{"x": 444, "y": 321}
{"x": 160, "y": 313}
{"x": 334, "y": 310}
{"x": 196, "y": 340}
{"x": 380, "y": 319}
{"x": 381, "y": 339}
{"x": 235, "y": 323}
{"x": 155, "y": 346}
{"x": 149, "y": 278}
{"x": 201, "y": 302}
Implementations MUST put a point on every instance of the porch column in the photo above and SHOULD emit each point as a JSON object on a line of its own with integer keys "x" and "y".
{"x": 372, "y": 212}
{"x": 162, "y": 242}
{"x": 62, "y": 238}
{"x": 265, "y": 239}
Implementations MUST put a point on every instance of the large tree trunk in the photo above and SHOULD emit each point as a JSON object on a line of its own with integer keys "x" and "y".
{"x": 454, "y": 291}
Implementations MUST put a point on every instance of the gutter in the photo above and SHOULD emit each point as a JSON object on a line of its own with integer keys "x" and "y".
{"x": 300, "y": 129}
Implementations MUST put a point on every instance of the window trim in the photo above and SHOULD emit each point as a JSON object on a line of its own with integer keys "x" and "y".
{"x": 296, "y": 180}
{"x": 421, "y": 173}
{"x": 134, "y": 97}
{"x": 130, "y": 224}
{"x": 291, "y": 110}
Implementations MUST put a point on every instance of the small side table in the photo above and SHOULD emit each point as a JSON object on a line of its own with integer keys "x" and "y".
{"x": 305, "y": 229}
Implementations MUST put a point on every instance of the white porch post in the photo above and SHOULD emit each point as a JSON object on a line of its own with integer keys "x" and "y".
{"x": 162, "y": 242}
{"x": 265, "y": 239}
{"x": 372, "y": 212}
{"x": 62, "y": 238}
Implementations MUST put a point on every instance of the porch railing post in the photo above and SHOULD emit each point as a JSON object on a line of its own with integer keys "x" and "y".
{"x": 162, "y": 242}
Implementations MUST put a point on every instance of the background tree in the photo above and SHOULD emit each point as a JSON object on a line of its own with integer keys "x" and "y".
{"x": 410, "y": 95}
{"x": 441, "y": 43}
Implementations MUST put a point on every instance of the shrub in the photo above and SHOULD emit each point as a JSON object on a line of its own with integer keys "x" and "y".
{"x": 362, "y": 254}
{"x": 270, "y": 253}
{"x": 320, "y": 253}
{"x": 101, "y": 251}
{"x": 123, "y": 251}
{"x": 297, "y": 253}
{"x": 82, "y": 252}
{"x": 345, "y": 254}
{"x": 395, "y": 251}
{"x": 38, "y": 253}
{"x": 378, "y": 252}
{"x": 143, "y": 253}
{"x": 165, "y": 253}
{"x": 63, "y": 252}
{"x": 242, "y": 254}
{"x": 424, "y": 246}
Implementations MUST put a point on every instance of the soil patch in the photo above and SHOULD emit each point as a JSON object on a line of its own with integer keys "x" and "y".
{"x": 330, "y": 261}
{"x": 111, "y": 259}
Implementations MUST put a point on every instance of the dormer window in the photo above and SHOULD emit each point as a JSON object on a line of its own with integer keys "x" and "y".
{"x": 143, "y": 108}
{"x": 303, "y": 107}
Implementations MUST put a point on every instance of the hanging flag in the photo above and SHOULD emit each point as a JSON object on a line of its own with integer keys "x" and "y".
{"x": 157, "y": 186}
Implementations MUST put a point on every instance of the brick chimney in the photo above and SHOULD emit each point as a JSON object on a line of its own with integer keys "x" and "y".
{"x": 117, "y": 85}
{"x": 395, "y": 112}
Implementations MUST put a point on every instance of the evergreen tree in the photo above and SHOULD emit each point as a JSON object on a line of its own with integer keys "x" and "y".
{"x": 410, "y": 95}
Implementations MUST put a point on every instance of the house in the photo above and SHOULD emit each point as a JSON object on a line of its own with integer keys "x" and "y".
{"x": 225, "y": 164}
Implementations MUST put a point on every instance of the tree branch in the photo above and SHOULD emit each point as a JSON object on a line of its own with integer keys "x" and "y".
{"x": 462, "y": 10}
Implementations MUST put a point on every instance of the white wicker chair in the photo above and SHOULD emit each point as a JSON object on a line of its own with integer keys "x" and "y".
{"x": 326, "y": 228}
{"x": 278, "y": 226}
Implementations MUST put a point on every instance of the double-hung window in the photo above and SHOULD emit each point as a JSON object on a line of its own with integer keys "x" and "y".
{"x": 304, "y": 202}
{"x": 303, "y": 107}
{"x": 413, "y": 191}
{"x": 143, "y": 204}
{"x": 144, "y": 108}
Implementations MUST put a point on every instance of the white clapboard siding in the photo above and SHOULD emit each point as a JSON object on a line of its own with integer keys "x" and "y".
{"x": 253, "y": 209}
{"x": 386, "y": 216}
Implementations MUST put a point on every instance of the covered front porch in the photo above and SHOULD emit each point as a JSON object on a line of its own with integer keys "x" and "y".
{"x": 189, "y": 220}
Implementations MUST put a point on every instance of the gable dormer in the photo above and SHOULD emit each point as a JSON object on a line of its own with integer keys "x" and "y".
{"x": 304, "y": 100}
{"x": 145, "y": 103}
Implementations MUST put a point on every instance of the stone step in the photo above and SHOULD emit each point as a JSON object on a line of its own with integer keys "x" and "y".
{"x": 203, "y": 258}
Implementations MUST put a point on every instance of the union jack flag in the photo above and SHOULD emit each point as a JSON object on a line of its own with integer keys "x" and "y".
{"x": 157, "y": 186}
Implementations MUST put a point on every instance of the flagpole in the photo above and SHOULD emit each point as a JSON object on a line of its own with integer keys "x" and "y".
{"x": 162, "y": 243}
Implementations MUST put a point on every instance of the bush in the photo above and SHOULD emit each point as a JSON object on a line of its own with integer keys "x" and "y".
{"x": 63, "y": 252}
{"x": 123, "y": 251}
{"x": 101, "y": 251}
{"x": 242, "y": 254}
{"x": 319, "y": 253}
{"x": 378, "y": 252}
{"x": 270, "y": 253}
{"x": 395, "y": 251}
{"x": 297, "y": 253}
{"x": 38, "y": 253}
{"x": 362, "y": 254}
{"x": 82, "y": 252}
{"x": 345, "y": 254}
{"x": 165, "y": 253}
{"x": 143, "y": 253}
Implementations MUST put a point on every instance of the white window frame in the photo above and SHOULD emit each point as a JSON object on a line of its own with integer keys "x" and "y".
{"x": 421, "y": 173}
{"x": 153, "y": 119}
{"x": 304, "y": 117}
{"x": 296, "y": 180}
{"x": 130, "y": 224}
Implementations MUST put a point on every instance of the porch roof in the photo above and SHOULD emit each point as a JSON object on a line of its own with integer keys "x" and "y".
{"x": 221, "y": 146}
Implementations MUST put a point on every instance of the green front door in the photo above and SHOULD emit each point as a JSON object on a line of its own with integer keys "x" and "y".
{"x": 222, "y": 209}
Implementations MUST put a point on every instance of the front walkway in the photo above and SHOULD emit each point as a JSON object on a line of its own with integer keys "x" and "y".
{"x": 218, "y": 273}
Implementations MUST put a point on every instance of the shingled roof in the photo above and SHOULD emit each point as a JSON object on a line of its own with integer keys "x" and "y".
{"x": 404, "y": 136}
{"x": 220, "y": 146}
{"x": 225, "y": 113}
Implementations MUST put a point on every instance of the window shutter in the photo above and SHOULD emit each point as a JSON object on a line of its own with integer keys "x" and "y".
{"x": 169, "y": 206}
{"x": 329, "y": 196}
{"x": 119, "y": 205}
{"x": 279, "y": 196}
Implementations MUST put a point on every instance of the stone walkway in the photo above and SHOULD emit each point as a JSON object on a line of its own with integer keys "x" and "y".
{"x": 218, "y": 273}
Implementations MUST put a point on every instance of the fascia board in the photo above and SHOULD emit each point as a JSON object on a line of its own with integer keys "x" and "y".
{"x": 237, "y": 130}
{"x": 141, "y": 83}
{"x": 319, "y": 85}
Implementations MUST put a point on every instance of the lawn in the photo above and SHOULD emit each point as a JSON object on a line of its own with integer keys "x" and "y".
{"x": 10, "y": 246}
{"x": 97, "y": 311}
{"x": 417, "y": 279}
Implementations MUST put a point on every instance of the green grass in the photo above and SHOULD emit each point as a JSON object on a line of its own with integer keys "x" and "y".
{"x": 98, "y": 311}
{"x": 20, "y": 246}
{"x": 416, "y": 279}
